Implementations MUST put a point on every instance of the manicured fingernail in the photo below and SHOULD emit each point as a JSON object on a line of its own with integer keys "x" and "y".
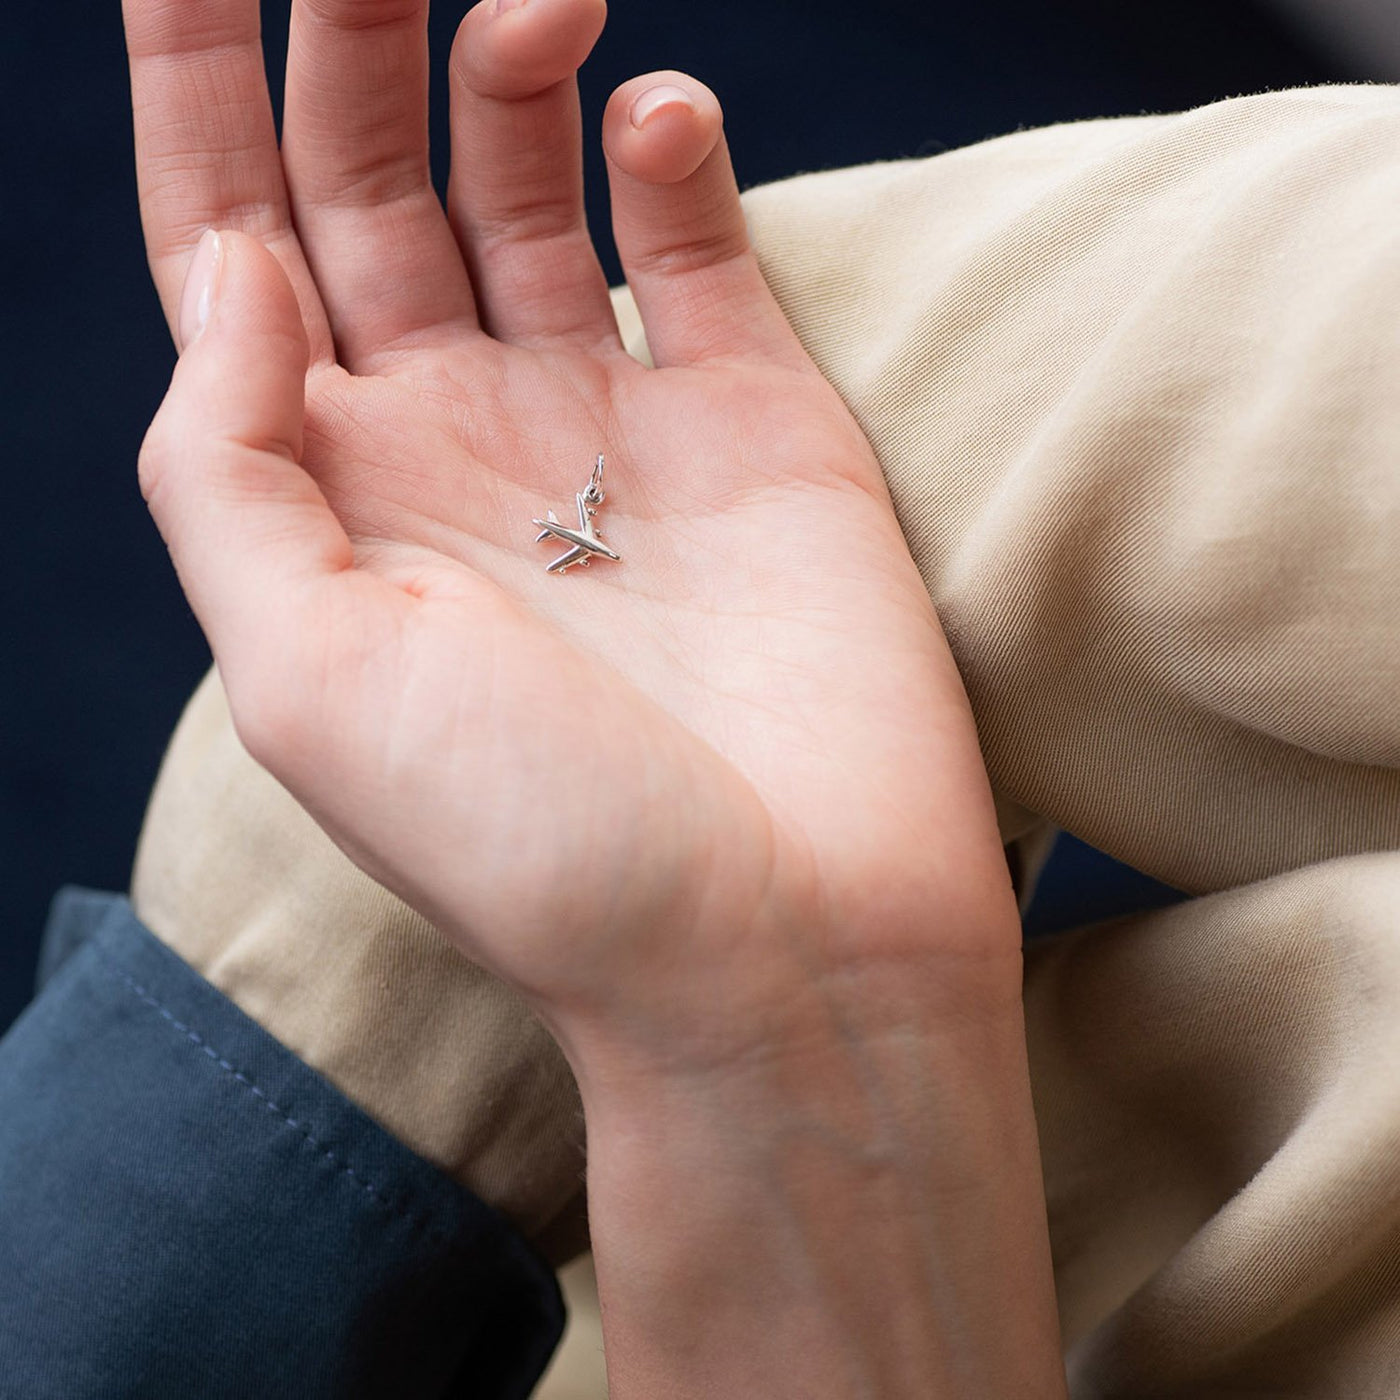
{"x": 201, "y": 288}
{"x": 654, "y": 99}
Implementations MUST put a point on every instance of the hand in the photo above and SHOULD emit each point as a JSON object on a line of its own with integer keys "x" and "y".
{"x": 717, "y": 809}
{"x": 673, "y": 799}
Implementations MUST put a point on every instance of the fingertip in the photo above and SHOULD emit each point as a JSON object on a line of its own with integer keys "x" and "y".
{"x": 680, "y": 227}
{"x": 660, "y": 128}
{"x": 235, "y": 283}
{"x": 515, "y": 48}
{"x": 244, "y": 361}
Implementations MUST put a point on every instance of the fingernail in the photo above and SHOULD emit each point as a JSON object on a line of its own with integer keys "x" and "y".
{"x": 503, "y": 5}
{"x": 654, "y": 99}
{"x": 201, "y": 288}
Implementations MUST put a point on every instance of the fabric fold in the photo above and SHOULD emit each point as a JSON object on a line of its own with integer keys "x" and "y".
{"x": 1218, "y": 1092}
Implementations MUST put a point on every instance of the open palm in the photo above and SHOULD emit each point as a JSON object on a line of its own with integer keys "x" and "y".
{"x": 673, "y": 781}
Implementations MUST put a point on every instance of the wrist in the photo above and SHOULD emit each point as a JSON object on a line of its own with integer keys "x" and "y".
{"x": 712, "y": 1007}
{"x": 858, "y": 1211}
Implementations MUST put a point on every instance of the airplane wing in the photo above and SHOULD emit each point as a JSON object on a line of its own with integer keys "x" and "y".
{"x": 576, "y": 555}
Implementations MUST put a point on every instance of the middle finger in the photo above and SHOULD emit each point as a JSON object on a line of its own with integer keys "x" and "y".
{"x": 516, "y": 193}
{"x": 355, "y": 148}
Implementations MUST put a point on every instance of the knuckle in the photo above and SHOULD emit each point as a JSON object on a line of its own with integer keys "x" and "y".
{"x": 153, "y": 462}
{"x": 479, "y": 64}
{"x": 382, "y": 181}
{"x": 526, "y": 216}
{"x": 365, "y": 15}
{"x": 697, "y": 253}
{"x": 474, "y": 66}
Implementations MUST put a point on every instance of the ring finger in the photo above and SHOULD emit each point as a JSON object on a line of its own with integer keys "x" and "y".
{"x": 355, "y": 147}
{"x": 516, "y": 195}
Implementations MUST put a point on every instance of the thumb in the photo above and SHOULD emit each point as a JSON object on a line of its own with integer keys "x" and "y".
{"x": 220, "y": 470}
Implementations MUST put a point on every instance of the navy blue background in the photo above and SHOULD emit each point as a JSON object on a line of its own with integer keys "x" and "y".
{"x": 100, "y": 651}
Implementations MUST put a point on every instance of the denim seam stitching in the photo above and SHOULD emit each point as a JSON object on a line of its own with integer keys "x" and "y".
{"x": 329, "y": 1153}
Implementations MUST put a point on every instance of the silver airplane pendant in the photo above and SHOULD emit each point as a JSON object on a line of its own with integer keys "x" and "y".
{"x": 584, "y": 542}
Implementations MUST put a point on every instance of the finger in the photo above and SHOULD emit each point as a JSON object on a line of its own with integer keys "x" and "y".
{"x": 206, "y": 146}
{"x": 355, "y": 148}
{"x": 516, "y": 193}
{"x": 680, "y": 228}
{"x": 247, "y": 529}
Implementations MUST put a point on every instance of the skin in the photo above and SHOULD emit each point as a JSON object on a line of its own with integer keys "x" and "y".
{"x": 718, "y": 810}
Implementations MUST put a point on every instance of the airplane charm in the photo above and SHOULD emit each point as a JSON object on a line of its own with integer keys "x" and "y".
{"x": 584, "y": 542}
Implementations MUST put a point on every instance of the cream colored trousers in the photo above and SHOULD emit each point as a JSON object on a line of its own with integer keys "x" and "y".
{"x": 1135, "y": 385}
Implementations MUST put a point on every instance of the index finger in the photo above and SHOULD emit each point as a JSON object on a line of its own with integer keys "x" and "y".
{"x": 206, "y": 144}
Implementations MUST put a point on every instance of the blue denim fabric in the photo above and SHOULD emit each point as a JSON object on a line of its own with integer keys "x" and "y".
{"x": 188, "y": 1210}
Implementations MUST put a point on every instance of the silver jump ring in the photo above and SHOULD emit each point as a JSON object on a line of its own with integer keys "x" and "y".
{"x": 594, "y": 494}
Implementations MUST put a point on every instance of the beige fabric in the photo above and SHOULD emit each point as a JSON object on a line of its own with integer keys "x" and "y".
{"x": 577, "y": 1371}
{"x": 1134, "y": 387}
{"x": 1218, "y": 1093}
